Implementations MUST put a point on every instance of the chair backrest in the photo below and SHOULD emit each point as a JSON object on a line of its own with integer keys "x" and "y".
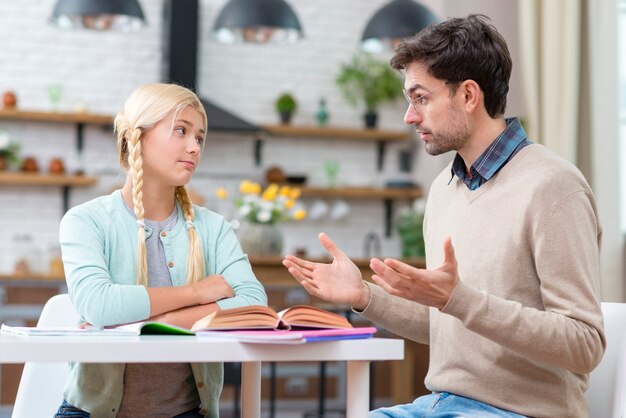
{"x": 41, "y": 387}
{"x": 607, "y": 384}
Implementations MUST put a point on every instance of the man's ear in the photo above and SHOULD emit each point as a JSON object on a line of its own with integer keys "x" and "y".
{"x": 472, "y": 95}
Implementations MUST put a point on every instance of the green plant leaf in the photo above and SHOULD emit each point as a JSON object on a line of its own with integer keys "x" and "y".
{"x": 368, "y": 82}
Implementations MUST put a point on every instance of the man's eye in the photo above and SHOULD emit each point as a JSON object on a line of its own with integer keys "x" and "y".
{"x": 421, "y": 100}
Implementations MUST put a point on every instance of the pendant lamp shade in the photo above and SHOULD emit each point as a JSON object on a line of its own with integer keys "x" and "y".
{"x": 121, "y": 15}
{"x": 257, "y": 21}
{"x": 394, "y": 22}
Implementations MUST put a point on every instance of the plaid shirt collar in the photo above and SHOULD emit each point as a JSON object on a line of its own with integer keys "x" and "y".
{"x": 501, "y": 150}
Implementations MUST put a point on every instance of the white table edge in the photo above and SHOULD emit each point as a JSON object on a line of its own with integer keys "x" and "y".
{"x": 92, "y": 349}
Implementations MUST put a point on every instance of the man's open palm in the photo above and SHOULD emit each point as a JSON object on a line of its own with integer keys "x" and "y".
{"x": 336, "y": 282}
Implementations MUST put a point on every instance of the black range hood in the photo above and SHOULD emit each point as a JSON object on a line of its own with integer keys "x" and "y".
{"x": 180, "y": 62}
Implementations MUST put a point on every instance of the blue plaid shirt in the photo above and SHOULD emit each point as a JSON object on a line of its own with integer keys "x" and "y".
{"x": 500, "y": 152}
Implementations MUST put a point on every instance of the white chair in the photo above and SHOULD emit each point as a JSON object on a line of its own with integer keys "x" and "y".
{"x": 41, "y": 387}
{"x": 607, "y": 384}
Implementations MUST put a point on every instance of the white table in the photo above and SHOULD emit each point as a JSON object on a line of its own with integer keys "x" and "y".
{"x": 171, "y": 349}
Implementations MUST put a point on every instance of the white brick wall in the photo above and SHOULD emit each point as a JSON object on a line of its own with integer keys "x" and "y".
{"x": 98, "y": 71}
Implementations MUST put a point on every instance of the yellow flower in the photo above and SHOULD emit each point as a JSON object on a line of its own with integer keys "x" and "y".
{"x": 248, "y": 187}
{"x": 270, "y": 205}
{"x": 295, "y": 193}
{"x": 299, "y": 215}
{"x": 255, "y": 188}
{"x": 244, "y": 187}
{"x": 270, "y": 193}
{"x": 221, "y": 193}
{"x": 284, "y": 191}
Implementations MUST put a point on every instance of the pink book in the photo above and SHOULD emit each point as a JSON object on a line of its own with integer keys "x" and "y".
{"x": 291, "y": 336}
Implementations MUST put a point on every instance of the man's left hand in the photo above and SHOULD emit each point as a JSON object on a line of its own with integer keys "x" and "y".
{"x": 427, "y": 287}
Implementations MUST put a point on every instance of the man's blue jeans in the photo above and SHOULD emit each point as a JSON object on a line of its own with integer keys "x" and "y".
{"x": 443, "y": 405}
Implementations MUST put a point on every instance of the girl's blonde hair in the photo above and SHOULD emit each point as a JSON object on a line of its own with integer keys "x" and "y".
{"x": 146, "y": 106}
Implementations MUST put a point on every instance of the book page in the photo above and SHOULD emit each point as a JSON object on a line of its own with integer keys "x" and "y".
{"x": 64, "y": 331}
{"x": 245, "y": 317}
{"x": 306, "y": 316}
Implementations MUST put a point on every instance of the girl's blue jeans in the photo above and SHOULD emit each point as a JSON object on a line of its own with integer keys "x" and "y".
{"x": 69, "y": 411}
{"x": 443, "y": 405}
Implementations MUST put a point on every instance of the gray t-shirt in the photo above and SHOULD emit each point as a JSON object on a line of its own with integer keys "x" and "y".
{"x": 158, "y": 389}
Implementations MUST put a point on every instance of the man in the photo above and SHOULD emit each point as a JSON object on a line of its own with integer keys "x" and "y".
{"x": 512, "y": 312}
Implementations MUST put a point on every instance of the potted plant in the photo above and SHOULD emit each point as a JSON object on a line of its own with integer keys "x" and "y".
{"x": 262, "y": 211}
{"x": 410, "y": 224}
{"x": 9, "y": 151}
{"x": 368, "y": 82}
{"x": 286, "y": 105}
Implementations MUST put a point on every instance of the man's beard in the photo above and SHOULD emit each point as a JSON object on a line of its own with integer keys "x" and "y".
{"x": 451, "y": 138}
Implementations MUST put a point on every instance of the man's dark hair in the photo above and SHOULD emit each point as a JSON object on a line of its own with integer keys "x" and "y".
{"x": 462, "y": 49}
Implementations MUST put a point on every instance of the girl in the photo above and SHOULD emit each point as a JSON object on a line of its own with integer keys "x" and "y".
{"x": 146, "y": 252}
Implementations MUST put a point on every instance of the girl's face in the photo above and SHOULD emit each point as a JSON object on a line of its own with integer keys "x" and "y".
{"x": 172, "y": 149}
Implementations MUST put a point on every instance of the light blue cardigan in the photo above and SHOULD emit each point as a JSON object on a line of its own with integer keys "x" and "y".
{"x": 99, "y": 248}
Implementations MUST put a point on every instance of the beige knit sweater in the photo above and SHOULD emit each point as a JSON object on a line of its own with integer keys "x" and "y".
{"x": 524, "y": 327}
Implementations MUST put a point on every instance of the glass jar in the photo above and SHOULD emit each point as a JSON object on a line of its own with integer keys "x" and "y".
{"x": 261, "y": 239}
{"x": 29, "y": 257}
{"x": 55, "y": 263}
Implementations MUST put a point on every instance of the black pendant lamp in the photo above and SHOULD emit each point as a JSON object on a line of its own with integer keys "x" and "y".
{"x": 120, "y": 15}
{"x": 394, "y": 22}
{"x": 257, "y": 21}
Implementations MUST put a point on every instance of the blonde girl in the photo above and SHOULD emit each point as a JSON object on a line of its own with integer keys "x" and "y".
{"x": 147, "y": 252}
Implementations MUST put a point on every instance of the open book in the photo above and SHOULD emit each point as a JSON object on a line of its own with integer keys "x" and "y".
{"x": 245, "y": 318}
{"x": 262, "y": 317}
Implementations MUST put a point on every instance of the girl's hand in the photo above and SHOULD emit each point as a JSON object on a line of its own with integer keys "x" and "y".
{"x": 212, "y": 288}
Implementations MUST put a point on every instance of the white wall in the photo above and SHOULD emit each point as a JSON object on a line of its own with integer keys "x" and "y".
{"x": 98, "y": 71}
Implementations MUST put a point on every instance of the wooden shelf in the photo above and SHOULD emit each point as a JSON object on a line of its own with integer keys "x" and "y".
{"x": 277, "y": 261}
{"x": 31, "y": 277}
{"x": 274, "y": 130}
{"x": 378, "y": 136}
{"x": 336, "y": 132}
{"x": 56, "y": 117}
{"x": 271, "y": 272}
{"x": 363, "y": 192}
{"x": 36, "y": 179}
{"x": 388, "y": 195}
{"x": 271, "y": 267}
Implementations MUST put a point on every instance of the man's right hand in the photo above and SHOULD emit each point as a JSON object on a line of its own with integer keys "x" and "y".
{"x": 336, "y": 282}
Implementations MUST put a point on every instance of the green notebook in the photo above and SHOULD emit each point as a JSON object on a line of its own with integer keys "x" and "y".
{"x": 154, "y": 328}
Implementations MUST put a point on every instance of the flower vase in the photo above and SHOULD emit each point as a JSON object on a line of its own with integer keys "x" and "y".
{"x": 261, "y": 239}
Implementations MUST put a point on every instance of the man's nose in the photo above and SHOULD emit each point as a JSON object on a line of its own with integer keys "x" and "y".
{"x": 411, "y": 117}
